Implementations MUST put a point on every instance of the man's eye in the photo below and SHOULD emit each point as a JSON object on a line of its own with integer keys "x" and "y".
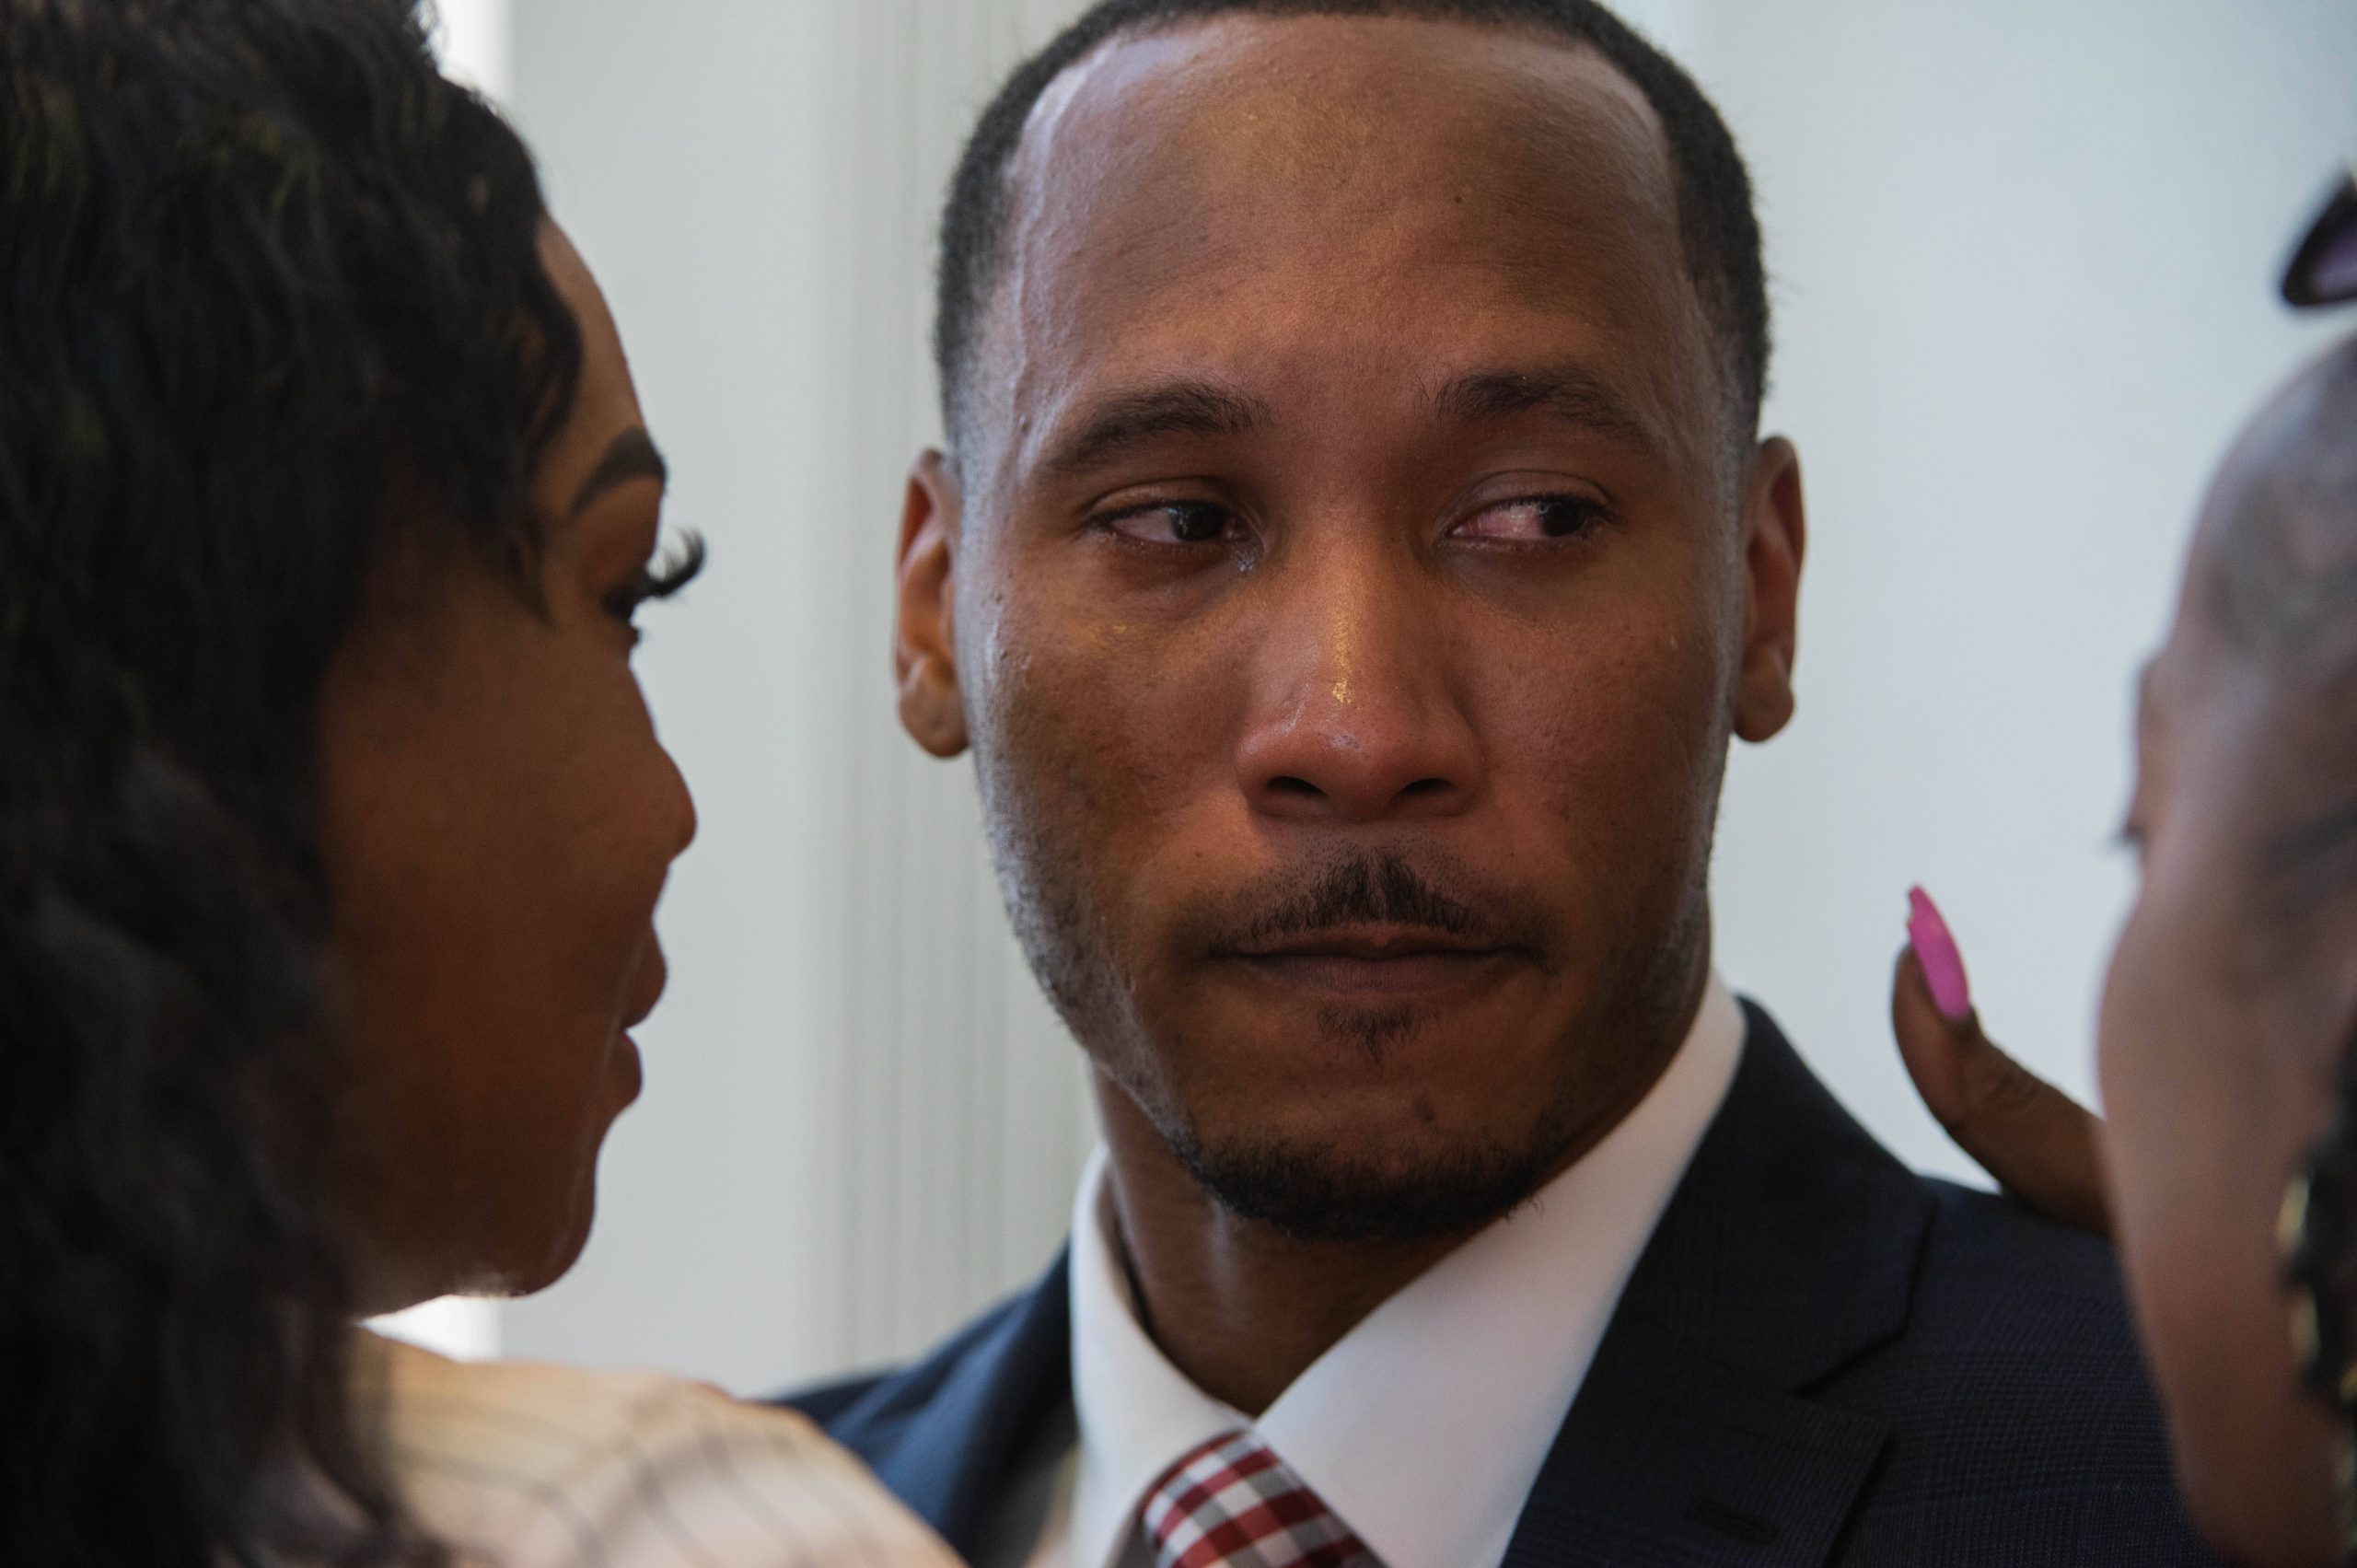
{"x": 1174, "y": 522}
{"x": 1534, "y": 519}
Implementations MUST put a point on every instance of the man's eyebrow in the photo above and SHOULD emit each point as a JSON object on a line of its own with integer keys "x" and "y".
{"x": 630, "y": 456}
{"x": 1133, "y": 418}
{"x": 1568, "y": 392}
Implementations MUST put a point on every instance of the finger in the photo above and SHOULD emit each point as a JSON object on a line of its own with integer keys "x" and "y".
{"x": 2040, "y": 1144}
{"x": 1927, "y": 1043}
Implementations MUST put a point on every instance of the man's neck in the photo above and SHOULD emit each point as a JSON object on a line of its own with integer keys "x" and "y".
{"x": 1240, "y": 1307}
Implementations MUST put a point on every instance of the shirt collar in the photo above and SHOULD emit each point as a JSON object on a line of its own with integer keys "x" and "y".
{"x": 1423, "y": 1427}
{"x": 1138, "y": 1413}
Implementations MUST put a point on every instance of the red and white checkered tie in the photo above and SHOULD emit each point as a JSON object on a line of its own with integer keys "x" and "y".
{"x": 1233, "y": 1504}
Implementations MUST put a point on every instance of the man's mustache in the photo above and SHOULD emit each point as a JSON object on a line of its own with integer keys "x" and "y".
{"x": 1378, "y": 889}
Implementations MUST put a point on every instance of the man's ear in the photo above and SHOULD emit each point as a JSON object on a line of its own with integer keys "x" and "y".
{"x": 924, "y": 644}
{"x": 1775, "y": 532}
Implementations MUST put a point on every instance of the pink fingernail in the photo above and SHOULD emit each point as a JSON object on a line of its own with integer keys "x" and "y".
{"x": 1936, "y": 950}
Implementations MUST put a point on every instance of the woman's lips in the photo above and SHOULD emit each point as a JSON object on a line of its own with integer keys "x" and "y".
{"x": 629, "y": 1067}
{"x": 646, "y": 989}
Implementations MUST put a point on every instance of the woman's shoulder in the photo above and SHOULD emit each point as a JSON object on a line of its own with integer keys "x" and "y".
{"x": 527, "y": 1464}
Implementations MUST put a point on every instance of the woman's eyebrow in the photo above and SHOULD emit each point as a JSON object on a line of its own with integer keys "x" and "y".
{"x": 630, "y": 456}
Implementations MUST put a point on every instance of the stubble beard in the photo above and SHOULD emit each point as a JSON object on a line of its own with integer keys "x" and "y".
{"x": 1312, "y": 1190}
{"x": 1317, "y": 1191}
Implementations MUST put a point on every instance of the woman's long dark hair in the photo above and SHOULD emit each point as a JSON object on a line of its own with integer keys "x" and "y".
{"x": 272, "y": 313}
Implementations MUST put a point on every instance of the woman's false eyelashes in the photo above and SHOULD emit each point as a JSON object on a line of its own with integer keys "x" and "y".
{"x": 663, "y": 576}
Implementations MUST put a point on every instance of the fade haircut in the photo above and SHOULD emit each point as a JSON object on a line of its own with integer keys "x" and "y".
{"x": 1717, "y": 227}
{"x": 2282, "y": 586}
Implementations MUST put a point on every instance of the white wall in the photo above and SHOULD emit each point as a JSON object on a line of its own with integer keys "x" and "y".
{"x": 2023, "y": 253}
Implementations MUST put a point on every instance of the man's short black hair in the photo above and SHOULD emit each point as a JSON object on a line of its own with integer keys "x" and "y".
{"x": 1716, "y": 223}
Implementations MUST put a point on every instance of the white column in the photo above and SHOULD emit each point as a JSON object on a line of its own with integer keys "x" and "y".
{"x": 861, "y": 1121}
{"x": 476, "y": 41}
{"x": 473, "y": 39}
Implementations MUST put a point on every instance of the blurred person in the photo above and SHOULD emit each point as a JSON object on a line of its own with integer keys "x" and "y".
{"x": 1354, "y": 556}
{"x": 332, "y": 822}
{"x": 2226, "y": 1160}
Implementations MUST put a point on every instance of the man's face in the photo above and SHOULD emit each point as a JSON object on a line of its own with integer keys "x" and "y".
{"x": 1348, "y": 584}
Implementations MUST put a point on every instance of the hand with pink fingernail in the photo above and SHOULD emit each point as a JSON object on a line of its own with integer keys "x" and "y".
{"x": 2040, "y": 1145}
{"x": 1943, "y": 966}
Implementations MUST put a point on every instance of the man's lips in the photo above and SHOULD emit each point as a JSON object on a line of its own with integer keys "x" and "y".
{"x": 1370, "y": 940}
{"x": 1374, "y": 960}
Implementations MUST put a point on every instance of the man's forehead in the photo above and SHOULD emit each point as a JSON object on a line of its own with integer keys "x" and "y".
{"x": 1313, "y": 104}
{"x": 1265, "y": 179}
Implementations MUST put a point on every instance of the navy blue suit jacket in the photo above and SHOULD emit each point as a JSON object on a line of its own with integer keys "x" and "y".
{"x": 1822, "y": 1358}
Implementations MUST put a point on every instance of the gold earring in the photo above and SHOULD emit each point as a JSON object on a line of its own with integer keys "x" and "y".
{"x": 2327, "y": 1368}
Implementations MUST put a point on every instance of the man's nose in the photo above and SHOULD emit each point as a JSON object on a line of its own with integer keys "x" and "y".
{"x": 1354, "y": 715}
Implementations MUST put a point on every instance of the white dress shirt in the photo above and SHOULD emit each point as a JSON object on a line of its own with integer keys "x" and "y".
{"x": 526, "y": 1465}
{"x": 1423, "y": 1427}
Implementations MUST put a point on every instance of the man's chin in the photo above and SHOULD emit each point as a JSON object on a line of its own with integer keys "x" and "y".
{"x": 1312, "y": 1192}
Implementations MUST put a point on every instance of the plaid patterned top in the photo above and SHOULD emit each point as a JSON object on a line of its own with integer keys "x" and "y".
{"x": 1233, "y": 1504}
{"x": 524, "y": 1464}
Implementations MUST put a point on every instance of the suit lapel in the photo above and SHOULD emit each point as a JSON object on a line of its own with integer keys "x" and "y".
{"x": 944, "y": 1444}
{"x": 1788, "y": 1252}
